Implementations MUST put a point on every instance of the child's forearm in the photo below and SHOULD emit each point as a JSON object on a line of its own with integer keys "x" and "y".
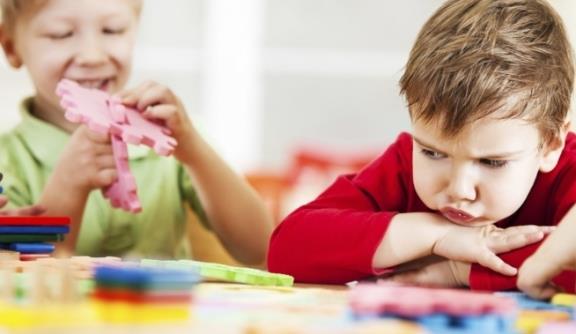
{"x": 409, "y": 236}
{"x": 59, "y": 199}
{"x": 236, "y": 212}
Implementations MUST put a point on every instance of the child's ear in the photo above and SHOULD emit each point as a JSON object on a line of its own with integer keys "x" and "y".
{"x": 553, "y": 150}
{"x": 9, "y": 48}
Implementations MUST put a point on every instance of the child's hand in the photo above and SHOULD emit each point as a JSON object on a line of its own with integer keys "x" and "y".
{"x": 556, "y": 254}
{"x": 87, "y": 162}
{"x": 446, "y": 274}
{"x": 33, "y": 210}
{"x": 481, "y": 244}
{"x": 159, "y": 102}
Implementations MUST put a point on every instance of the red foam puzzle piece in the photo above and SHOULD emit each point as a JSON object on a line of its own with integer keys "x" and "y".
{"x": 34, "y": 221}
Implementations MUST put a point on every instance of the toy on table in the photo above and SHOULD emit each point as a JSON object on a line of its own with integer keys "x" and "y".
{"x": 31, "y": 235}
{"x": 132, "y": 293}
{"x": 105, "y": 114}
{"x": 220, "y": 272}
{"x": 534, "y": 313}
{"x": 558, "y": 328}
{"x": 438, "y": 310}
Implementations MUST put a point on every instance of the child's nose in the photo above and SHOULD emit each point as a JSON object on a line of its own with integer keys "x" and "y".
{"x": 461, "y": 186}
{"x": 90, "y": 51}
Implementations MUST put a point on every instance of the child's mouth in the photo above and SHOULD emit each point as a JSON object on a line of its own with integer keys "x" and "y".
{"x": 101, "y": 84}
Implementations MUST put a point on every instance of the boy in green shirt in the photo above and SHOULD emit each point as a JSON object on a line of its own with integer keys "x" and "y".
{"x": 57, "y": 164}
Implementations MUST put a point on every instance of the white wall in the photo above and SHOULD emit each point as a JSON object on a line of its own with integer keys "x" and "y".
{"x": 326, "y": 71}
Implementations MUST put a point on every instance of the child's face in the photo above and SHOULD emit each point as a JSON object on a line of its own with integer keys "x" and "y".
{"x": 481, "y": 176}
{"x": 88, "y": 41}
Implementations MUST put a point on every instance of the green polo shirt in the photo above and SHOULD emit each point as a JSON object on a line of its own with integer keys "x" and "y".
{"x": 28, "y": 155}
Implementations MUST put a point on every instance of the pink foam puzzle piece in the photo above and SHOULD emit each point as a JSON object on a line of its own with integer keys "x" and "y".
{"x": 106, "y": 114}
{"x": 92, "y": 107}
{"x": 410, "y": 301}
{"x": 88, "y": 106}
{"x": 139, "y": 130}
{"x": 123, "y": 193}
{"x": 558, "y": 328}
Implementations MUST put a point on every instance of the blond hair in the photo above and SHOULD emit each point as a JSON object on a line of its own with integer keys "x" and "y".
{"x": 11, "y": 10}
{"x": 473, "y": 57}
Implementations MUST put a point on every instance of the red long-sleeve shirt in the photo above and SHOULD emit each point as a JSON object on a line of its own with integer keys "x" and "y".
{"x": 333, "y": 238}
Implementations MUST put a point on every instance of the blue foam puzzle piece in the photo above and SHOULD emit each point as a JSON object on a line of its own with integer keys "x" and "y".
{"x": 34, "y": 229}
{"x": 144, "y": 277}
{"x": 29, "y": 247}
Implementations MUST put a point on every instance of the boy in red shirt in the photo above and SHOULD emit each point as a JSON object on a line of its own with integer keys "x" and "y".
{"x": 489, "y": 167}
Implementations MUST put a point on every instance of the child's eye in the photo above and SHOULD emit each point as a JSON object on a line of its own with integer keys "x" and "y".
{"x": 60, "y": 35}
{"x": 432, "y": 154}
{"x": 493, "y": 163}
{"x": 113, "y": 31}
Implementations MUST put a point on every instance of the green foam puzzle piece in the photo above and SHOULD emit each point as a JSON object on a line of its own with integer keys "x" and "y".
{"x": 222, "y": 272}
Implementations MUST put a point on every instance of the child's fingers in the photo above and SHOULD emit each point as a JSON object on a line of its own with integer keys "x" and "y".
{"x": 161, "y": 111}
{"x": 508, "y": 242}
{"x": 492, "y": 261}
{"x": 535, "y": 275}
{"x": 155, "y": 95}
{"x": 98, "y": 137}
{"x": 3, "y": 200}
{"x": 33, "y": 210}
{"x": 105, "y": 177}
{"x": 132, "y": 96}
{"x": 106, "y": 161}
{"x": 544, "y": 292}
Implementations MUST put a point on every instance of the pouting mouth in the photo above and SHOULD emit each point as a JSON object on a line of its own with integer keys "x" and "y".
{"x": 457, "y": 216}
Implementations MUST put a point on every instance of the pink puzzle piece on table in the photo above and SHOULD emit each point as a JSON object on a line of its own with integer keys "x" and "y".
{"x": 558, "y": 328}
{"x": 105, "y": 114}
{"x": 409, "y": 301}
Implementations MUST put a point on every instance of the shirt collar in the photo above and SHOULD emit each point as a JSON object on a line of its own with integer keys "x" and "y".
{"x": 46, "y": 141}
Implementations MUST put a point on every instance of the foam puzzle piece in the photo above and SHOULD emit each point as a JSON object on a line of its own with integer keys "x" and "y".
{"x": 564, "y": 299}
{"x": 146, "y": 297}
{"x": 123, "y": 193}
{"x": 34, "y": 229}
{"x": 31, "y": 237}
{"x": 137, "y": 277}
{"x": 34, "y": 221}
{"x": 139, "y": 130}
{"x": 29, "y": 247}
{"x": 88, "y": 106}
{"x": 438, "y": 310}
{"x": 103, "y": 113}
{"x": 221, "y": 272}
{"x": 558, "y": 328}
{"x": 528, "y": 321}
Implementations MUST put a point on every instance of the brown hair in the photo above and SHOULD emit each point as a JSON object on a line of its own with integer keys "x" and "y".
{"x": 473, "y": 57}
{"x": 12, "y": 9}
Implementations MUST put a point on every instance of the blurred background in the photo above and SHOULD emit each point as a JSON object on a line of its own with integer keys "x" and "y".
{"x": 280, "y": 87}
